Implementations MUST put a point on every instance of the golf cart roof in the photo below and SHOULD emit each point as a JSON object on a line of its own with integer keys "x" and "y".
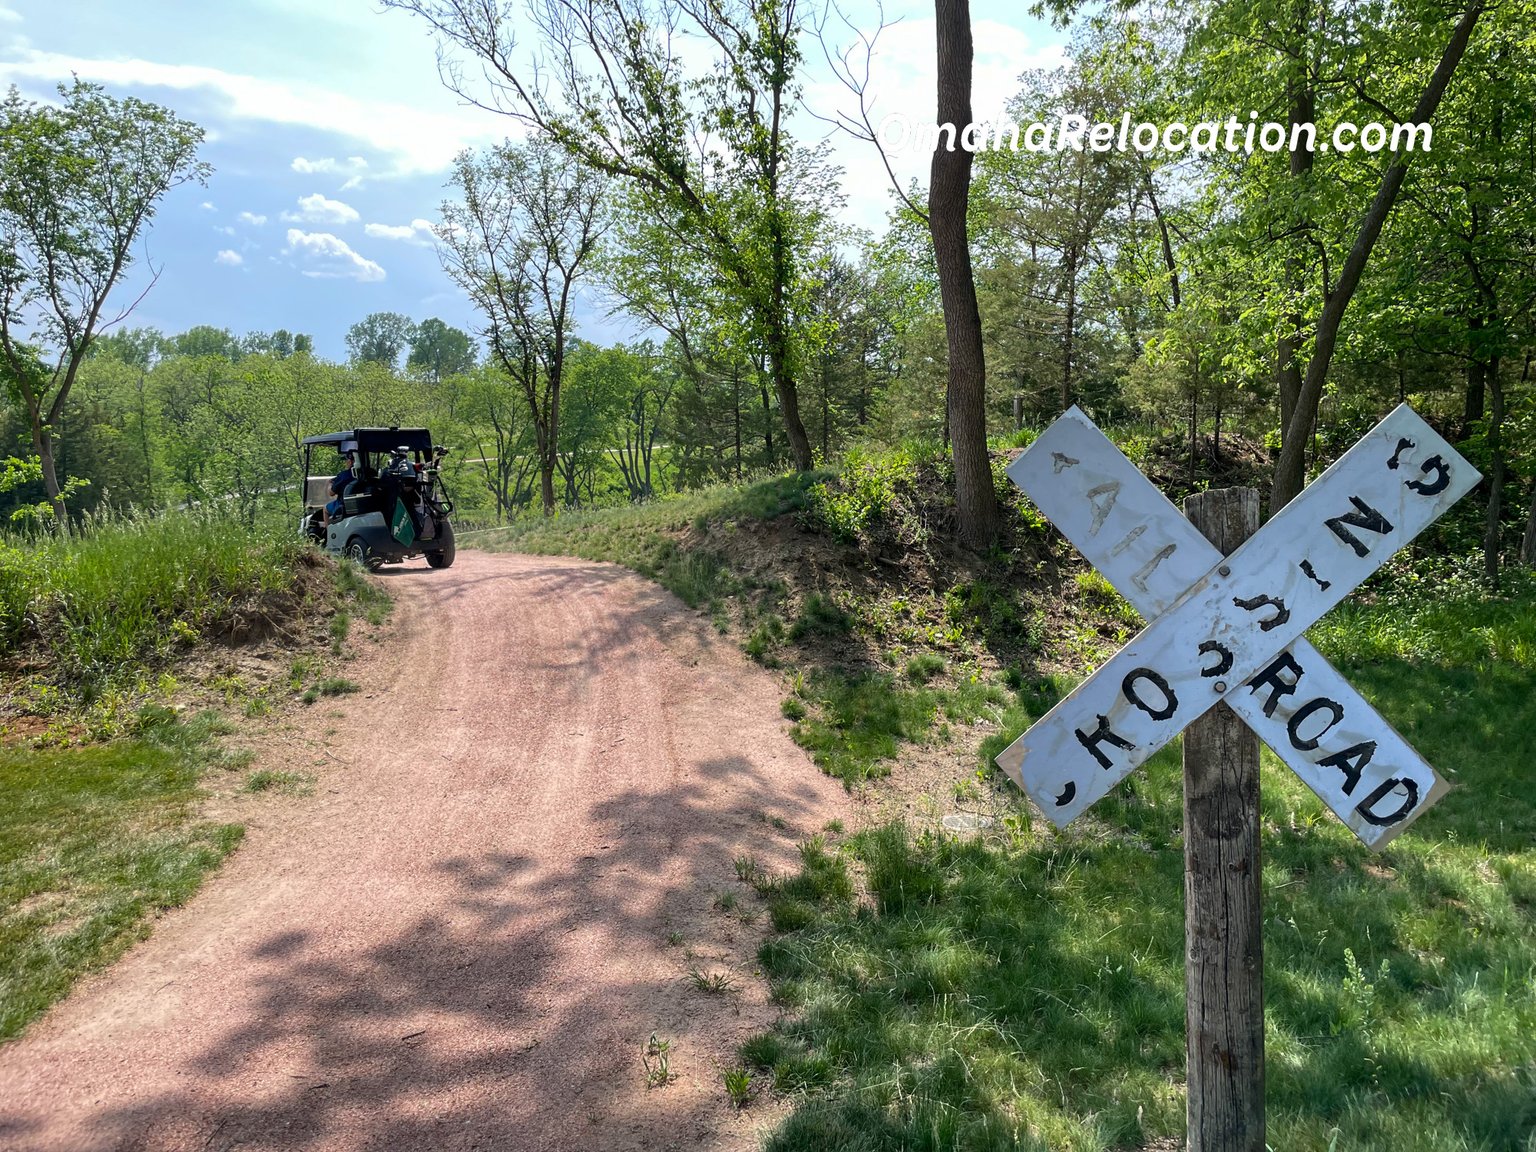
{"x": 378, "y": 439}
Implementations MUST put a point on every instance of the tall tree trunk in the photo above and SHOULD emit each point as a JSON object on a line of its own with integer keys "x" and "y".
{"x": 948, "y": 196}
{"x": 789, "y": 399}
{"x": 1290, "y": 468}
{"x": 1303, "y": 110}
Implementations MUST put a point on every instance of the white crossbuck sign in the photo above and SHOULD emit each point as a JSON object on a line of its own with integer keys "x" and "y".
{"x": 1230, "y": 628}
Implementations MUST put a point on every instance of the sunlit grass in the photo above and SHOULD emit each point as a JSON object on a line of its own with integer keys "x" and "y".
{"x": 1026, "y": 990}
{"x": 94, "y": 842}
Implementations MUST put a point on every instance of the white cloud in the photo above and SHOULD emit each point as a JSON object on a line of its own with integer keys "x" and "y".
{"x": 418, "y": 231}
{"x": 207, "y": 206}
{"x": 223, "y": 229}
{"x": 414, "y": 139}
{"x": 353, "y": 167}
{"x": 328, "y": 257}
{"x": 252, "y": 218}
{"x": 9, "y": 17}
{"x": 230, "y": 257}
{"x": 317, "y": 209}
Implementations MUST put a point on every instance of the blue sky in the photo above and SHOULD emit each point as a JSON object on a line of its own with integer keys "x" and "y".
{"x": 331, "y": 136}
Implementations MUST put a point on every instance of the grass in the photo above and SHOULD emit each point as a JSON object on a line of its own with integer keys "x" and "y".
{"x": 1026, "y": 990}
{"x": 640, "y": 536}
{"x": 129, "y": 591}
{"x": 95, "y": 842}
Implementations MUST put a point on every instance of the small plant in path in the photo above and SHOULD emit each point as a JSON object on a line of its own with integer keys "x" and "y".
{"x": 657, "y": 1060}
{"x": 712, "y": 982}
{"x": 738, "y": 1085}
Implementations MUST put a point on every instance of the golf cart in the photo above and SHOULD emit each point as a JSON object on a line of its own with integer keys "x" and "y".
{"x": 391, "y": 508}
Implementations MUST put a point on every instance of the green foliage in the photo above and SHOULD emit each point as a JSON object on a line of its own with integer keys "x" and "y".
{"x": 94, "y": 843}
{"x": 129, "y": 590}
{"x": 859, "y": 722}
{"x": 1026, "y": 988}
{"x": 989, "y": 609}
{"x": 924, "y": 667}
{"x": 869, "y": 502}
{"x": 820, "y": 617}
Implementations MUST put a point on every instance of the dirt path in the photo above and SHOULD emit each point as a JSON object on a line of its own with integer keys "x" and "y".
{"x": 465, "y": 944}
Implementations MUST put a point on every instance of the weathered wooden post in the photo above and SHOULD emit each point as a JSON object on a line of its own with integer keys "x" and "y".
{"x": 1223, "y": 924}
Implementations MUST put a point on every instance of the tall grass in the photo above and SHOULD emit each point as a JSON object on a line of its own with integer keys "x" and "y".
{"x": 1025, "y": 989}
{"x": 128, "y": 589}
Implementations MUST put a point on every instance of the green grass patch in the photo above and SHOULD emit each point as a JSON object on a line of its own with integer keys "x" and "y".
{"x": 859, "y": 721}
{"x": 126, "y": 591}
{"x": 94, "y": 841}
{"x": 644, "y": 536}
{"x": 1025, "y": 990}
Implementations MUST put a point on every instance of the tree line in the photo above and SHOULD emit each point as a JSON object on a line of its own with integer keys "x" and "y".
{"x": 1291, "y": 297}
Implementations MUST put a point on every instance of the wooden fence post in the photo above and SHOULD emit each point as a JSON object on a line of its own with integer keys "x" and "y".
{"x": 1223, "y": 923}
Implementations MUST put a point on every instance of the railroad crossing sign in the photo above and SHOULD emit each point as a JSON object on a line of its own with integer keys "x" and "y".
{"x": 1230, "y": 628}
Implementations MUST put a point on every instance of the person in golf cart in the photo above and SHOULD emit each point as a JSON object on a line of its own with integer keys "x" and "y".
{"x": 339, "y": 483}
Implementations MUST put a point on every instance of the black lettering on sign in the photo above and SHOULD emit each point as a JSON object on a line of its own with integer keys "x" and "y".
{"x": 1367, "y": 808}
{"x": 1270, "y": 677}
{"x": 1436, "y": 486}
{"x": 1130, "y": 538}
{"x": 1254, "y": 603}
{"x": 1139, "y": 577}
{"x": 1060, "y": 461}
{"x": 1134, "y": 677}
{"x": 1351, "y": 762}
{"x": 1102, "y": 500}
{"x": 1402, "y": 446}
{"x": 1306, "y": 567}
{"x": 1363, "y": 517}
{"x": 1066, "y": 794}
{"x": 1293, "y": 728}
{"x": 1223, "y": 660}
{"x": 1102, "y": 735}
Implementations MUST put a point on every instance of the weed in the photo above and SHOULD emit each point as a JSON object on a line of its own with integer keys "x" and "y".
{"x": 726, "y": 901}
{"x": 279, "y": 780}
{"x": 337, "y": 686}
{"x": 656, "y": 1059}
{"x": 711, "y": 982}
{"x": 924, "y": 667}
{"x": 820, "y": 616}
{"x": 746, "y": 868}
{"x": 766, "y": 636}
{"x": 738, "y": 1085}
{"x": 674, "y": 938}
{"x": 792, "y": 709}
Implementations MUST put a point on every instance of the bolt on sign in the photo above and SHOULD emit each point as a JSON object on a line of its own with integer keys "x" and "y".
{"x": 1230, "y": 628}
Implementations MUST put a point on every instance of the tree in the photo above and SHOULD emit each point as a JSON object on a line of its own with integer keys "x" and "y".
{"x": 518, "y": 243}
{"x": 711, "y": 154}
{"x": 439, "y": 350}
{"x": 948, "y": 198}
{"x": 379, "y": 338}
{"x": 79, "y": 182}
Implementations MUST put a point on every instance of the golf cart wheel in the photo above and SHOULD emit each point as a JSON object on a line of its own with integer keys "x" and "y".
{"x": 443, "y": 557}
{"x": 359, "y": 553}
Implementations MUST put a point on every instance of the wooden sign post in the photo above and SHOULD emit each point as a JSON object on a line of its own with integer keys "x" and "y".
{"x": 1224, "y": 656}
{"x": 1223, "y": 918}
